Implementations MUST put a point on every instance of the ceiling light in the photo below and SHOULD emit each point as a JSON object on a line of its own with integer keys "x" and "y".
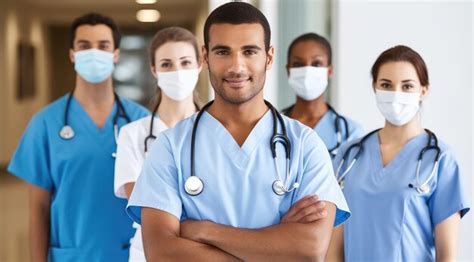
{"x": 145, "y": 2}
{"x": 148, "y": 15}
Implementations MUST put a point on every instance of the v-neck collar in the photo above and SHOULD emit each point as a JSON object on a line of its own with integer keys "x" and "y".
{"x": 324, "y": 121}
{"x": 240, "y": 155}
{"x": 158, "y": 123}
{"x": 76, "y": 108}
{"x": 401, "y": 156}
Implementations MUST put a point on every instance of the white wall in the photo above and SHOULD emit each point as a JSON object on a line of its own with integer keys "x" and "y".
{"x": 441, "y": 31}
{"x": 270, "y": 9}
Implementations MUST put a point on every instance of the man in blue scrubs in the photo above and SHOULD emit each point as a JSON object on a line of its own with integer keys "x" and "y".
{"x": 74, "y": 215}
{"x": 237, "y": 215}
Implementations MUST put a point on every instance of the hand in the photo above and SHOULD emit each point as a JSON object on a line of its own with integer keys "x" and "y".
{"x": 307, "y": 210}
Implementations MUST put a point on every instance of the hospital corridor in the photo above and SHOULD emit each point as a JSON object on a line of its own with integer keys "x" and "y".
{"x": 236, "y": 130}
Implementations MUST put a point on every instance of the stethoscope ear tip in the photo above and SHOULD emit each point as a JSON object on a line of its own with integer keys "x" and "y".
{"x": 420, "y": 189}
{"x": 341, "y": 184}
{"x": 423, "y": 189}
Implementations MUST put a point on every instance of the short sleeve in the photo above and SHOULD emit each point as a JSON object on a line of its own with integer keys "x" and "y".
{"x": 30, "y": 161}
{"x": 318, "y": 177}
{"x": 449, "y": 196}
{"x": 157, "y": 185}
{"x": 128, "y": 163}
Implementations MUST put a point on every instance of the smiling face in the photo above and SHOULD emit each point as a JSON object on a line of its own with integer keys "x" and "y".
{"x": 237, "y": 61}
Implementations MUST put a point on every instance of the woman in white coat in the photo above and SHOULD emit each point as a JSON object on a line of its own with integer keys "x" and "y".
{"x": 175, "y": 62}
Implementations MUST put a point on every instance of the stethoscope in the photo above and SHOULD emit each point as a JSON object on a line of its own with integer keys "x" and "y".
{"x": 67, "y": 132}
{"x": 420, "y": 187}
{"x": 194, "y": 185}
{"x": 337, "y": 127}
{"x": 151, "y": 137}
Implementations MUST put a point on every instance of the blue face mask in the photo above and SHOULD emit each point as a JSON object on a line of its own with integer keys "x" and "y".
{"x": 94, "y": 65}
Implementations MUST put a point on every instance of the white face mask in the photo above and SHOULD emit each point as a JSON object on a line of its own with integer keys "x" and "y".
{"x": 308, "y": 82}
{"x": 178, "y": 85}
{"x": 398, "y": 108}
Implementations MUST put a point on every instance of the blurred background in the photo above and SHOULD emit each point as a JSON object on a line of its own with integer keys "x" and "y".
{"x": 34, "y": 43}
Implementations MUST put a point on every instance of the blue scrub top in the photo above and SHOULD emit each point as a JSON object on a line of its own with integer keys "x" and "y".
{"x": 397, "y": 221}
{"x": 326, "y": 129}
{"x": 88, "y": 223}
{"x": 237, "y": 180}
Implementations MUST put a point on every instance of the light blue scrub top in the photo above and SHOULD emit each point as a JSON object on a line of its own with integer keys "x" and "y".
{"x": 326, "y": 129}
{"x": 88, "y": 223}
{"x": 237, "y": 180}
{"x": 397, "y": 221}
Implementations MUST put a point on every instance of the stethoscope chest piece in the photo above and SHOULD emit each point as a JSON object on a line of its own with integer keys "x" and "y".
{"x": 278, "y": 187}
{"x": 193, "y": 185}
{"x": 66, "y": 132}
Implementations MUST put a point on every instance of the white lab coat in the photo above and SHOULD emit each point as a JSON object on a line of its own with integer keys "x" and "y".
{"x": 128, "y": 165}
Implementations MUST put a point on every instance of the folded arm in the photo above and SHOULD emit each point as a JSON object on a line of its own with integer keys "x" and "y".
{"x": 283, "y": 242}
{"x": 162, "y": 241}
{"x": 336, "y": 247}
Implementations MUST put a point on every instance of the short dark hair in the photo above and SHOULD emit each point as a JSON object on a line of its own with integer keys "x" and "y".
{"x": 312, "y": 37}
{"x": 401, "y": 53}
{"x": 95, "y": 19}
{"x": 236, "y": 13}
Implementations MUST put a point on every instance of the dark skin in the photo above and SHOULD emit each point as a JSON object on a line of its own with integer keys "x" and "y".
{"x": 309, "y": 53}
{"x": 237, "y": 61}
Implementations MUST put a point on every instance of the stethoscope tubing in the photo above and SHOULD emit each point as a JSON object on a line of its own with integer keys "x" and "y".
{"x": 282, "y": 138}
{"x": 120, "y": 113}
{"x": 337, "y": 127}
{"x": 420, "y": 187}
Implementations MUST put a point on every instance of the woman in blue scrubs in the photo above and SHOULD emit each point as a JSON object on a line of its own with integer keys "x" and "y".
{"x": 402, "y": 209}
{"x": 309, "y": 68}
{"x": 67, "y": 156}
